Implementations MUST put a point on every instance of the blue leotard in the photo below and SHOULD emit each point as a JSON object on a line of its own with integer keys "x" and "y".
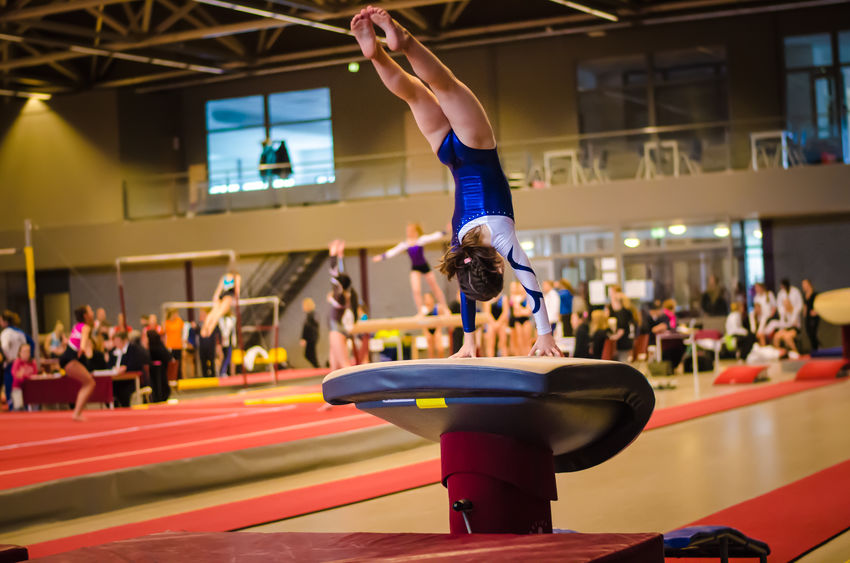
{"x": 483, "y": 197}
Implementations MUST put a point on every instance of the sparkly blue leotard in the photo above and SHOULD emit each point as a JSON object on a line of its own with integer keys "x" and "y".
{"x": 482, "y": 196}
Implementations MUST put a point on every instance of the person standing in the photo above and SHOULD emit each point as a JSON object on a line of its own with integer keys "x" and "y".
{"x": 553, "y": 303}
{"x": 565, "y": 291}
{"x": 713, "y": 301}
{"x": 11, "y": 340}
{"x": 811, "y": 318}
{"x": 174, "y": 338}
{"x": 74, "y": 360}
{"x": 310, "y": 332}
{"x": 207, "y": 346}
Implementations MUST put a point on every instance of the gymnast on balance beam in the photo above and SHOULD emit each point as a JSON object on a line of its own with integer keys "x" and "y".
{"x": 454, "y": 123}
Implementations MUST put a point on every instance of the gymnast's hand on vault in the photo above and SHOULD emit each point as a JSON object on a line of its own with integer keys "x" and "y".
{"x": 545, "y": 346}
{"x": 468, "y": 348}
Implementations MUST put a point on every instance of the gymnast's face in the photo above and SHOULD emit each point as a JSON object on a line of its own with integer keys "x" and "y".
{"x": 412, "y": 231}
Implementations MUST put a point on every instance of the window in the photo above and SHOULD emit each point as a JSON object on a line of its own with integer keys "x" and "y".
{"x": 817, "y": 68}
{"x": 289, "y": 132}
{"x": 687, "y": 86}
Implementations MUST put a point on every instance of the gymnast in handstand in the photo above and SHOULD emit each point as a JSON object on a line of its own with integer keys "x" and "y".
{"x": 226, "y": 291}
{"x": 414, "y": 244}
{"x": 341, "y": 298}
{"x": 455, "y": 125}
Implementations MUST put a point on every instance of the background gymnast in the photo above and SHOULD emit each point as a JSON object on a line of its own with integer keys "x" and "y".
{"x": 414, "y": 244}
{"x": 74, "y": 360}
{"x": 341, "y": 298}
{"x": 455, "y": 125}
{"x": 226, "y": 291}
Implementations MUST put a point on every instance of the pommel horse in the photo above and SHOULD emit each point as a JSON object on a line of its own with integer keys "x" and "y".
{"x": 505, "y": 426}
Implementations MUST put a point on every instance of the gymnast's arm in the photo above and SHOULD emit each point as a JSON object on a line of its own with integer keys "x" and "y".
{"x": 433, "y": 237}
{"x": 505, "y": 242}
{"x": 394, "y": 251}
{"x": 467, "y": 315}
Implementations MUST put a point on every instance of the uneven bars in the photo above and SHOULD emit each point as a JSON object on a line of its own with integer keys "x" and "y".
{"x": 273, "y": 299}
{"x": 198, "y": 255}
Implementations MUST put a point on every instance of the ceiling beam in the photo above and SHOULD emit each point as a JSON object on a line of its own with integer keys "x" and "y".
{"x": 415, "y": 17}
{"x": 228, "y": 42}
{"x": 108, "y": 20}
{"x": 54, "y": 8}
{"x": 181, "y": 13}
{"x": 77, "y": 51}
{"x": 390, "y": 5}
{"x": 147, "y": 10}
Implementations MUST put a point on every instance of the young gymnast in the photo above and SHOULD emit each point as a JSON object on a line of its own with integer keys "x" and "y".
{"x": 341, "y": 298}
{"x": 227, "y": 290}
{"x": 414, "y": 245}
{"x": 74, "y": 361}
{"x": 455, "y": 125}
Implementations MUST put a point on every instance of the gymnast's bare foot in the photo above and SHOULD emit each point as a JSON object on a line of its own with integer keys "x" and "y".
{"x": 397, "y": 36}
{"x": 364, "y": 32}
{"x": 78, "y": 418}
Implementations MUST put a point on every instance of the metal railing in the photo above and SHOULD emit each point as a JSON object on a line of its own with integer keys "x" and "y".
{"x": 648, "y": 153}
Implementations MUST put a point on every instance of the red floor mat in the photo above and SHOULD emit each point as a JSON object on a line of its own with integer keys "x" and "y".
{"x": 688, "y": 411}
{"x": 741, "y": 374}
{"x": 251, "y": 512}
{"x": 823, "y": 369}
{"x": 792, "y": 519}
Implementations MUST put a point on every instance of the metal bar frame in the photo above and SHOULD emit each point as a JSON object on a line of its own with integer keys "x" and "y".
{"x": 182, "y": 256}
{"x": 274, "y": 300}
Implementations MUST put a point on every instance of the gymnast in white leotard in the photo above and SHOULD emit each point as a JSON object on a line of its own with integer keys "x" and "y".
{"x": 455, "y": 125}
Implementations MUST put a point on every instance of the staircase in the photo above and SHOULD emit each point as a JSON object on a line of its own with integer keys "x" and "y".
{"x": 283, "y": 276}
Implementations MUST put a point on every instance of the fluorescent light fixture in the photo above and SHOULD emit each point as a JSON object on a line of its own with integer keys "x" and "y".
{"x": 30, "y": 95}
{"x": 632, "y": 242}
{"x": 757, "y": 233}
{"x": 721, "y": 231}
{"x": 353, "y": 66}
{"x": 582, "y": 8}
{"x": 657, "y": 232}
{"x": 678, "y": 229}
{"x": 274, "y": 15}
{"x": 527, "y": 245}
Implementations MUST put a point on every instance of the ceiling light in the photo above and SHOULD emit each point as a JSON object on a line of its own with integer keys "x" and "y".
{"x": 721, "y": 231}
{"x": 31, "y": 95}
{"x": 657, "y": 232}
{"x": 678, "y": 229}
{"x": 587, "y": 10}
{"x": 527, "y": 245}
{"x": 632, "y": 242}
{"x": 353, "y": 66}
{"x": 757, "y": 233}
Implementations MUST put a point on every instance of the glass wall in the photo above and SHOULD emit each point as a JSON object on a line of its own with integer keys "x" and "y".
{"x": 817, "y": 69}
{"x": 276, "y": 141}
{"x": 652, "y": 261}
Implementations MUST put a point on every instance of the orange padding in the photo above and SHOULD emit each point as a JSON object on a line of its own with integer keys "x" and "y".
{"x": 742, "y": 374}
{"x": 823, "y": 369}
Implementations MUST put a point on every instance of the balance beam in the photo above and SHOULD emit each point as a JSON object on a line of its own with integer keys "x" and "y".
{"x": 406, "y": 323}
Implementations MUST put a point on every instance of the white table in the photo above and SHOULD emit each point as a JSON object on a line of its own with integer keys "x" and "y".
{"x": 575, "y": 171}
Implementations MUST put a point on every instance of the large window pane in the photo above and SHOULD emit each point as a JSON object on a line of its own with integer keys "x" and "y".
{"x": 612, "y": 94}
{"x": 310, "y": 148}
{"x": 690, "y": 86}
{"x": 233, "y": 158}
{"x": 798, "y": 103}
{"x": 304, "y": 105}
{"x": 234, "y": 113}
{"x": 844, "y": 46}
{"x": 808, "y": 50}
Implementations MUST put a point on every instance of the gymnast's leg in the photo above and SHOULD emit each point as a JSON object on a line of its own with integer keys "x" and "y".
{"x": 416, "y": 289}
{"x": 426, "y": 109}
{"x": 78, "y": 372}
{"x": 438, "y": 293}
{"x": 460, "y": 106}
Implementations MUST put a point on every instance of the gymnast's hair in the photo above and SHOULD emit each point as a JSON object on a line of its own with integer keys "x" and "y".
{"x": 80, "y": 313}
{"x": 477, "y": 265}
{"x": 344, "y": 281}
